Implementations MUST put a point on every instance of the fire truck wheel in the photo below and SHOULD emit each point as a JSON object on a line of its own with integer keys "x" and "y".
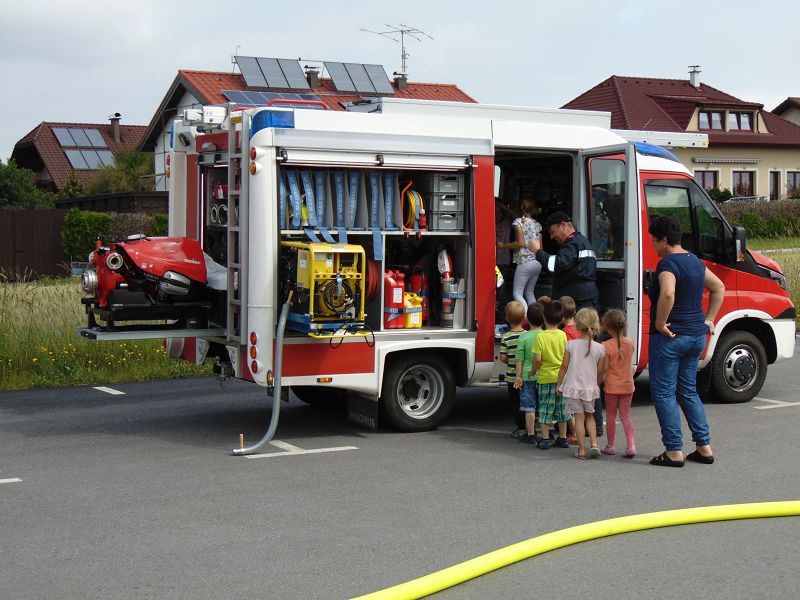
{"x": 418, "y": 393}
{"x": 319, "y": 396}
{"x": 739, "y": 367}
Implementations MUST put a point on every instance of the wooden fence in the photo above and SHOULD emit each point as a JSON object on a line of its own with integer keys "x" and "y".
{"x": 30, "y": 243}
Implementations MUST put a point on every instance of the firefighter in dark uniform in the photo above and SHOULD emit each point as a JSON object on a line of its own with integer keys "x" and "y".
{"x": 574, "y": 269}
{"x": 574, "y": 266}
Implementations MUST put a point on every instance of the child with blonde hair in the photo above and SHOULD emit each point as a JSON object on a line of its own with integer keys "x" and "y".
{"x": 619, "y": 384}
{"x": 515, "y": 316}
{"x": 579, "y": 379}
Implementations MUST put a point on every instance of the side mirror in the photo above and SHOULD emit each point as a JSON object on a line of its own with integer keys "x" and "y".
{"x": 740, "y": 244}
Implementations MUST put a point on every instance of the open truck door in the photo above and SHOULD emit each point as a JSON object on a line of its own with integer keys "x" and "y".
{"x": 608, "y": 184}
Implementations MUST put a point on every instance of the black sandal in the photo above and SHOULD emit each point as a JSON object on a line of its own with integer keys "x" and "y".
{"x": 697, "y": 457}
{"x": 662, "y": 460}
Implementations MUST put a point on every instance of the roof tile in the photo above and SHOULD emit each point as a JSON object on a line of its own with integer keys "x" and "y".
{"x": 44, "y": 141}
{"x": 668, "y": 105}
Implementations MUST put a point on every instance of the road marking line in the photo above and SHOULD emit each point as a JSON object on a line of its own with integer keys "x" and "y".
{"x": 109, "y": 390}
{"x": 301, "y": 451}
{"x": 774, "y": 403}
{"x": 11, "y": 480}
{"x": 285, "y": 446}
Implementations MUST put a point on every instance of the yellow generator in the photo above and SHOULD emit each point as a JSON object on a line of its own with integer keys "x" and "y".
{"x": 328, "y": 285}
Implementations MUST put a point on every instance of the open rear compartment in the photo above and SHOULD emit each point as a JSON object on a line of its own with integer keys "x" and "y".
{"x": 552, "y": 181}
{"x": 375, "y": 252}
{"x": 548, "y": 179}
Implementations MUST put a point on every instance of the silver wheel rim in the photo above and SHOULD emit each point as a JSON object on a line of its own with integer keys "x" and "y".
{"x": 420, "y": 391}
{"x": 741, "y": 368}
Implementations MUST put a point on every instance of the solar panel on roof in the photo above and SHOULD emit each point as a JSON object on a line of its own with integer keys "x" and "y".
{"x": 253, "y": 77}
{"x": 106, "y": 157}
{"x": 294, "y": 74}
{"x": 341, "y": 80}
{"x": 286, "y": 96}
{"x": 63, "y": 136}
{"x": 309, "y": 97}
{"x": 272, "y": 73}
{"x": 379, "y": 79}
{"x": 80, "y": 137}
{"x": 359, "y": 77}
{"x": 76, "y": 159}
{"x": 256, "y": 98}
{"x": 236, "y": 97}
{"x": 96, "y": 138}
{"x": 92, "y": 158}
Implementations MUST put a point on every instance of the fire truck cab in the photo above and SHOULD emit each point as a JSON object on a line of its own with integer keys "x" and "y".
{"x": 375, "y": 229}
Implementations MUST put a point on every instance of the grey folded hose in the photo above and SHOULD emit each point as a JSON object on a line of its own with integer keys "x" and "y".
{"x": 276, "y": 395}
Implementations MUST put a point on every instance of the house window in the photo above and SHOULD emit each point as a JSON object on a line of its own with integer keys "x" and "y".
{"x": 793, "y": 184}
{"x": 774, "y": 185}
{"x": 711, "y": 119}
{"x": 740, "y": 121}
{"x": 707, "y": 179}
{"x": 744, "y": 183}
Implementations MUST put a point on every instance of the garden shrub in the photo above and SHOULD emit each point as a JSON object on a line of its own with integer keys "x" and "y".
{"x": 81, "y": 227}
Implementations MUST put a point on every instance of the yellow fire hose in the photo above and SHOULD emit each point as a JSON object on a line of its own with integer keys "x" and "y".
{"x": 436, "y": 582}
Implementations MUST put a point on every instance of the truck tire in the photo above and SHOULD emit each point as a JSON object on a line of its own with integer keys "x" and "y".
{"x": 738, "y": 367}
{"x": 417, "y": 393}
{"x": 314, "y": 395}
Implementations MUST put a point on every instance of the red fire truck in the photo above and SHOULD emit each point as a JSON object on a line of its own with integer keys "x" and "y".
{"x": 354, "y": 252}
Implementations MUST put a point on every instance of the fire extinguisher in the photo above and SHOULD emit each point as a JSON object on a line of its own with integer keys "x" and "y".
{"x": 418, "y": 283}
{"x": 393, "y": 290}
{"x": 449, "y": 287}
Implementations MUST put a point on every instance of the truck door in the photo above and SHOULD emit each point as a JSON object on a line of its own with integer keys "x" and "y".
{"x": 608, "y": 214}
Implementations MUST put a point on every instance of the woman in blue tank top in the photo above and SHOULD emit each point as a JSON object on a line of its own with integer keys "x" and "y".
{"x": 678, "y": 329}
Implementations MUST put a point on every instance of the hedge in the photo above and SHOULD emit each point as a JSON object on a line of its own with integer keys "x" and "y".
{"x": 81, "y": 227}
{"x": 780, "y": 218}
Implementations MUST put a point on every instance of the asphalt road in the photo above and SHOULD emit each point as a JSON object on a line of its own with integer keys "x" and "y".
{"x": 137, "y": 496}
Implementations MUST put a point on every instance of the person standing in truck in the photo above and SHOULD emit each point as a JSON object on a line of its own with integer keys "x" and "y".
{"x": 574, "y": 266}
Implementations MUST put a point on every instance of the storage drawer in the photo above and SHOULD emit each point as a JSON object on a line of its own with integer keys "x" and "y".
{"x": 448, "y": 203}
{"x": 446, "y": 221}
{"x": 448, "y": 183}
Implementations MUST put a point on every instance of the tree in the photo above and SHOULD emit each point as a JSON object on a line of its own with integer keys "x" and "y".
{"x": 132, "y": 172}
{"x": 17, "y": 189}
{"x": 72, "y": 188}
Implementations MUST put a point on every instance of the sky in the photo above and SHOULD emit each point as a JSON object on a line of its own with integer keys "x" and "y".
{"x": 83, "y": 60}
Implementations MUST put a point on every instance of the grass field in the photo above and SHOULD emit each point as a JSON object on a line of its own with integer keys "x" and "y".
{"x": 39, "y": 346}
{"x": 773, "y": 243}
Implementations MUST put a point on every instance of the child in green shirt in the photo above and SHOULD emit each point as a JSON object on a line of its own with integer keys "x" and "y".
{"x": 548, "y": 350}
{"x": 525, "y": 380}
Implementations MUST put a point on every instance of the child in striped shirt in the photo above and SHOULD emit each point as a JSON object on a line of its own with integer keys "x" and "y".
{"x": 515, "y": 316}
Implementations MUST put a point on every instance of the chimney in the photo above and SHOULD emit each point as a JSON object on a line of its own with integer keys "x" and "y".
{"x": 115, "y": 126}
{"x": 312, "y": 75}
{"x": 400, "y": 80}
{"x": 694, "y": 75}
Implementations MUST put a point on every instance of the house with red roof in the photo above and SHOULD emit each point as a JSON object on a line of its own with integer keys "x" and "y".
{"x": 751, "y": 151}
{"x": 789, "y": 109}
{"x": 197, "y": 88}
{"x": 54, "y": 150}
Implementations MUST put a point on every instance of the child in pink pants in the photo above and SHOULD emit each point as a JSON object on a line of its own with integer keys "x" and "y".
{"x": 619, "y": 385}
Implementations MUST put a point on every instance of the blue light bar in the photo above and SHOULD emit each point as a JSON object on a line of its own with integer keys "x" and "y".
{"x": 270, "y": 117}
{"x": 653, "y": 150}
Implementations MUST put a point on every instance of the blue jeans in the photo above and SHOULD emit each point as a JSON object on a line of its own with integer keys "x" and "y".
{"x": 672, "y": 363}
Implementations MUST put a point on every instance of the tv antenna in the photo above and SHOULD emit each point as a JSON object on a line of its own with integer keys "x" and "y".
{"x": 233, "y": 57}
{"x": 402, "y": 31}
